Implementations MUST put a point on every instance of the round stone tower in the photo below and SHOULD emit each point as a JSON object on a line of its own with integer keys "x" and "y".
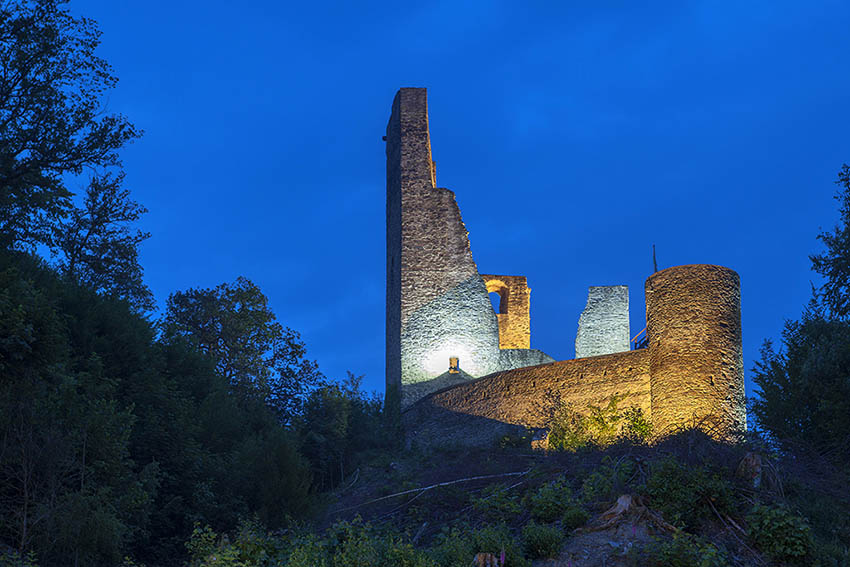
{"x": 693, "y": 319}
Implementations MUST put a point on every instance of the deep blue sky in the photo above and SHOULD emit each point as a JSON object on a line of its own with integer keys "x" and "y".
{"x": 574, "y": 136}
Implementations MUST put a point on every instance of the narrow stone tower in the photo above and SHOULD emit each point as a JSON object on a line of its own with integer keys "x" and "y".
{"x": 437, "y": 303}
{"x": 693, "y": 316}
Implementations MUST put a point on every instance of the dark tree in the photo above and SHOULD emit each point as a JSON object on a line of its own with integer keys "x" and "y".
{"x": 97, "y": 246}
{"x": 805, "y": 387}
{"x": 834, "y": 264}
{"x": 52, "y": 122}
{"x": 234, "y": 325}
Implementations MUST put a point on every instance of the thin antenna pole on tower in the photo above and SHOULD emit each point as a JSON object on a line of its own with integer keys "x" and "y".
{"x": 654, "y": 262}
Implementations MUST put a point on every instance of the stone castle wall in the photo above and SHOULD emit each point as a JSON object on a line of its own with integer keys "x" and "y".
{"x": 438, "y": 308}
{"x": 603, "y": 327}
{"x": 514, "y": 314}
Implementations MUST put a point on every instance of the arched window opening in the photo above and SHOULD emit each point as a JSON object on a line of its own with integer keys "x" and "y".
{"x": 495, "y": 300}
{"x": 498, "y": 292}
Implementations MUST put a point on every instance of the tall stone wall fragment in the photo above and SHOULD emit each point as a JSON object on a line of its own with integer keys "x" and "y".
{"x": 603, "y": 327}
{"x": 693, "y": 316}
{"x": 437, "y": 303}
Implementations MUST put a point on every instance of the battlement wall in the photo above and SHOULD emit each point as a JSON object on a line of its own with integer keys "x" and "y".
{"x": 524, "y": 397}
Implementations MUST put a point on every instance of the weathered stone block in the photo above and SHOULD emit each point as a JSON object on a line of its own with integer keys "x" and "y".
{"x": 603, "y": 327}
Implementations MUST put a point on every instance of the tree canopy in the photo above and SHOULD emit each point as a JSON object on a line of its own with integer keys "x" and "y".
{"x": 52, "y": 119}
{"x": 233, "y": 324}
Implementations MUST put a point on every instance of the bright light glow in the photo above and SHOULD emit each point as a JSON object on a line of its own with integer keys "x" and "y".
{"x": 438, "y": 361}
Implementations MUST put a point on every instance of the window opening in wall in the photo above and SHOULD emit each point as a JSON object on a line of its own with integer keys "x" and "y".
{"x": 495, "y": 300}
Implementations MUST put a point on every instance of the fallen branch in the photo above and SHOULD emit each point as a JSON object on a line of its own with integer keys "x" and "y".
{"x": 439, "y": 484}
{"x": 747, "y": 547}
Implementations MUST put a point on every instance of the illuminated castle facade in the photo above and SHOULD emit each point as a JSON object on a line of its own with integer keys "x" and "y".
{"x": 447, "y": 348}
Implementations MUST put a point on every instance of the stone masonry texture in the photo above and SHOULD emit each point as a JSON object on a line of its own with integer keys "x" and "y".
{"x": 603, "y": 327}
{"x": 437, "y": 302}
{"x": 514, "y": 314}
{"x": 478, "y": 412}
{"x": 693, "y": 316}
{"x": 438, "y": 307}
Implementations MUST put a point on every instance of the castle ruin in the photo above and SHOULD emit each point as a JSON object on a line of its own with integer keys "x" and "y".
{"x": 449, "y": 353}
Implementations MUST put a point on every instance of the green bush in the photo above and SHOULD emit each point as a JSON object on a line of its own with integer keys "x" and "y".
{"x": 551, "y": 500}
{"x": 779, "y": 533}
{"x": 600, "y": 426}
{"x": 609, "y": 479}
{"x": 515, "y": 441}
{"x": 541, "y": 541}
{"x": 496, "y": 503}
{"x": 458, "y": 545}
{"x": 12, "y": 558}
{"x": 685, "y": 494}
{"x": 311, "y": 551}
{"x": 574, "y": 517}
{"x": 637, "y": 427}
{"x": 681, "y": 550}
{"x": 357, "y": 543}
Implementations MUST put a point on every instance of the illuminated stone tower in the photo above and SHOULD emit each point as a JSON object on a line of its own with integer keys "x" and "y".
{"x": 696, "y": 361}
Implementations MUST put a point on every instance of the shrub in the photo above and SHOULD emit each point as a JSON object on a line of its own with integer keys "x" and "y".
{"x": 494, "y": 538}
{"x": 540, "y": 541}
{"x": 685, "y": 494}
{"x": 496, "y": 504}
{"x": 637, "y": 427}
{"x": 608, "y": 479}
{"x": 311, "y": 551}
{"x": 459, "y": 545}
{"x": 358, "y": 543}
{"x": 571, "y": 430}
{"x": 551, "y": 500}
{"x": 573, "y": 517}
{"x": 516, "y": 441}
{"x": 681, "y": 550}
{"x": 11, "y": 558}
{"x": 779, "y": 533}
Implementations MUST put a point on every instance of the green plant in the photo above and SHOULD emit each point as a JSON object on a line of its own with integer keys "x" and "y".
{"x": 495, "y": 537}
{"x": 778, "y": 532}
{"x": 359, "y": 543}
{"x": 550, "y": 500}
{"x": 609, "y": 478}
{"x": 496, "y": 503}
{"x": 637, "y": 427}
{"x": 311, "y": 551}
{"x": 541, "y": 541}
{"x": 682, "y": 550}
{"x": 515, "y": 441}
{"x": 686, "y": 495}
{"x": 12, "y": 558}
{"x": 574, "y": 517}
{"x": 601, "y": 426}
{"x": 458, "y": 545}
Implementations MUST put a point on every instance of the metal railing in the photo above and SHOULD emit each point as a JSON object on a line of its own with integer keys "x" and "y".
{"x": 640, "y": 340}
